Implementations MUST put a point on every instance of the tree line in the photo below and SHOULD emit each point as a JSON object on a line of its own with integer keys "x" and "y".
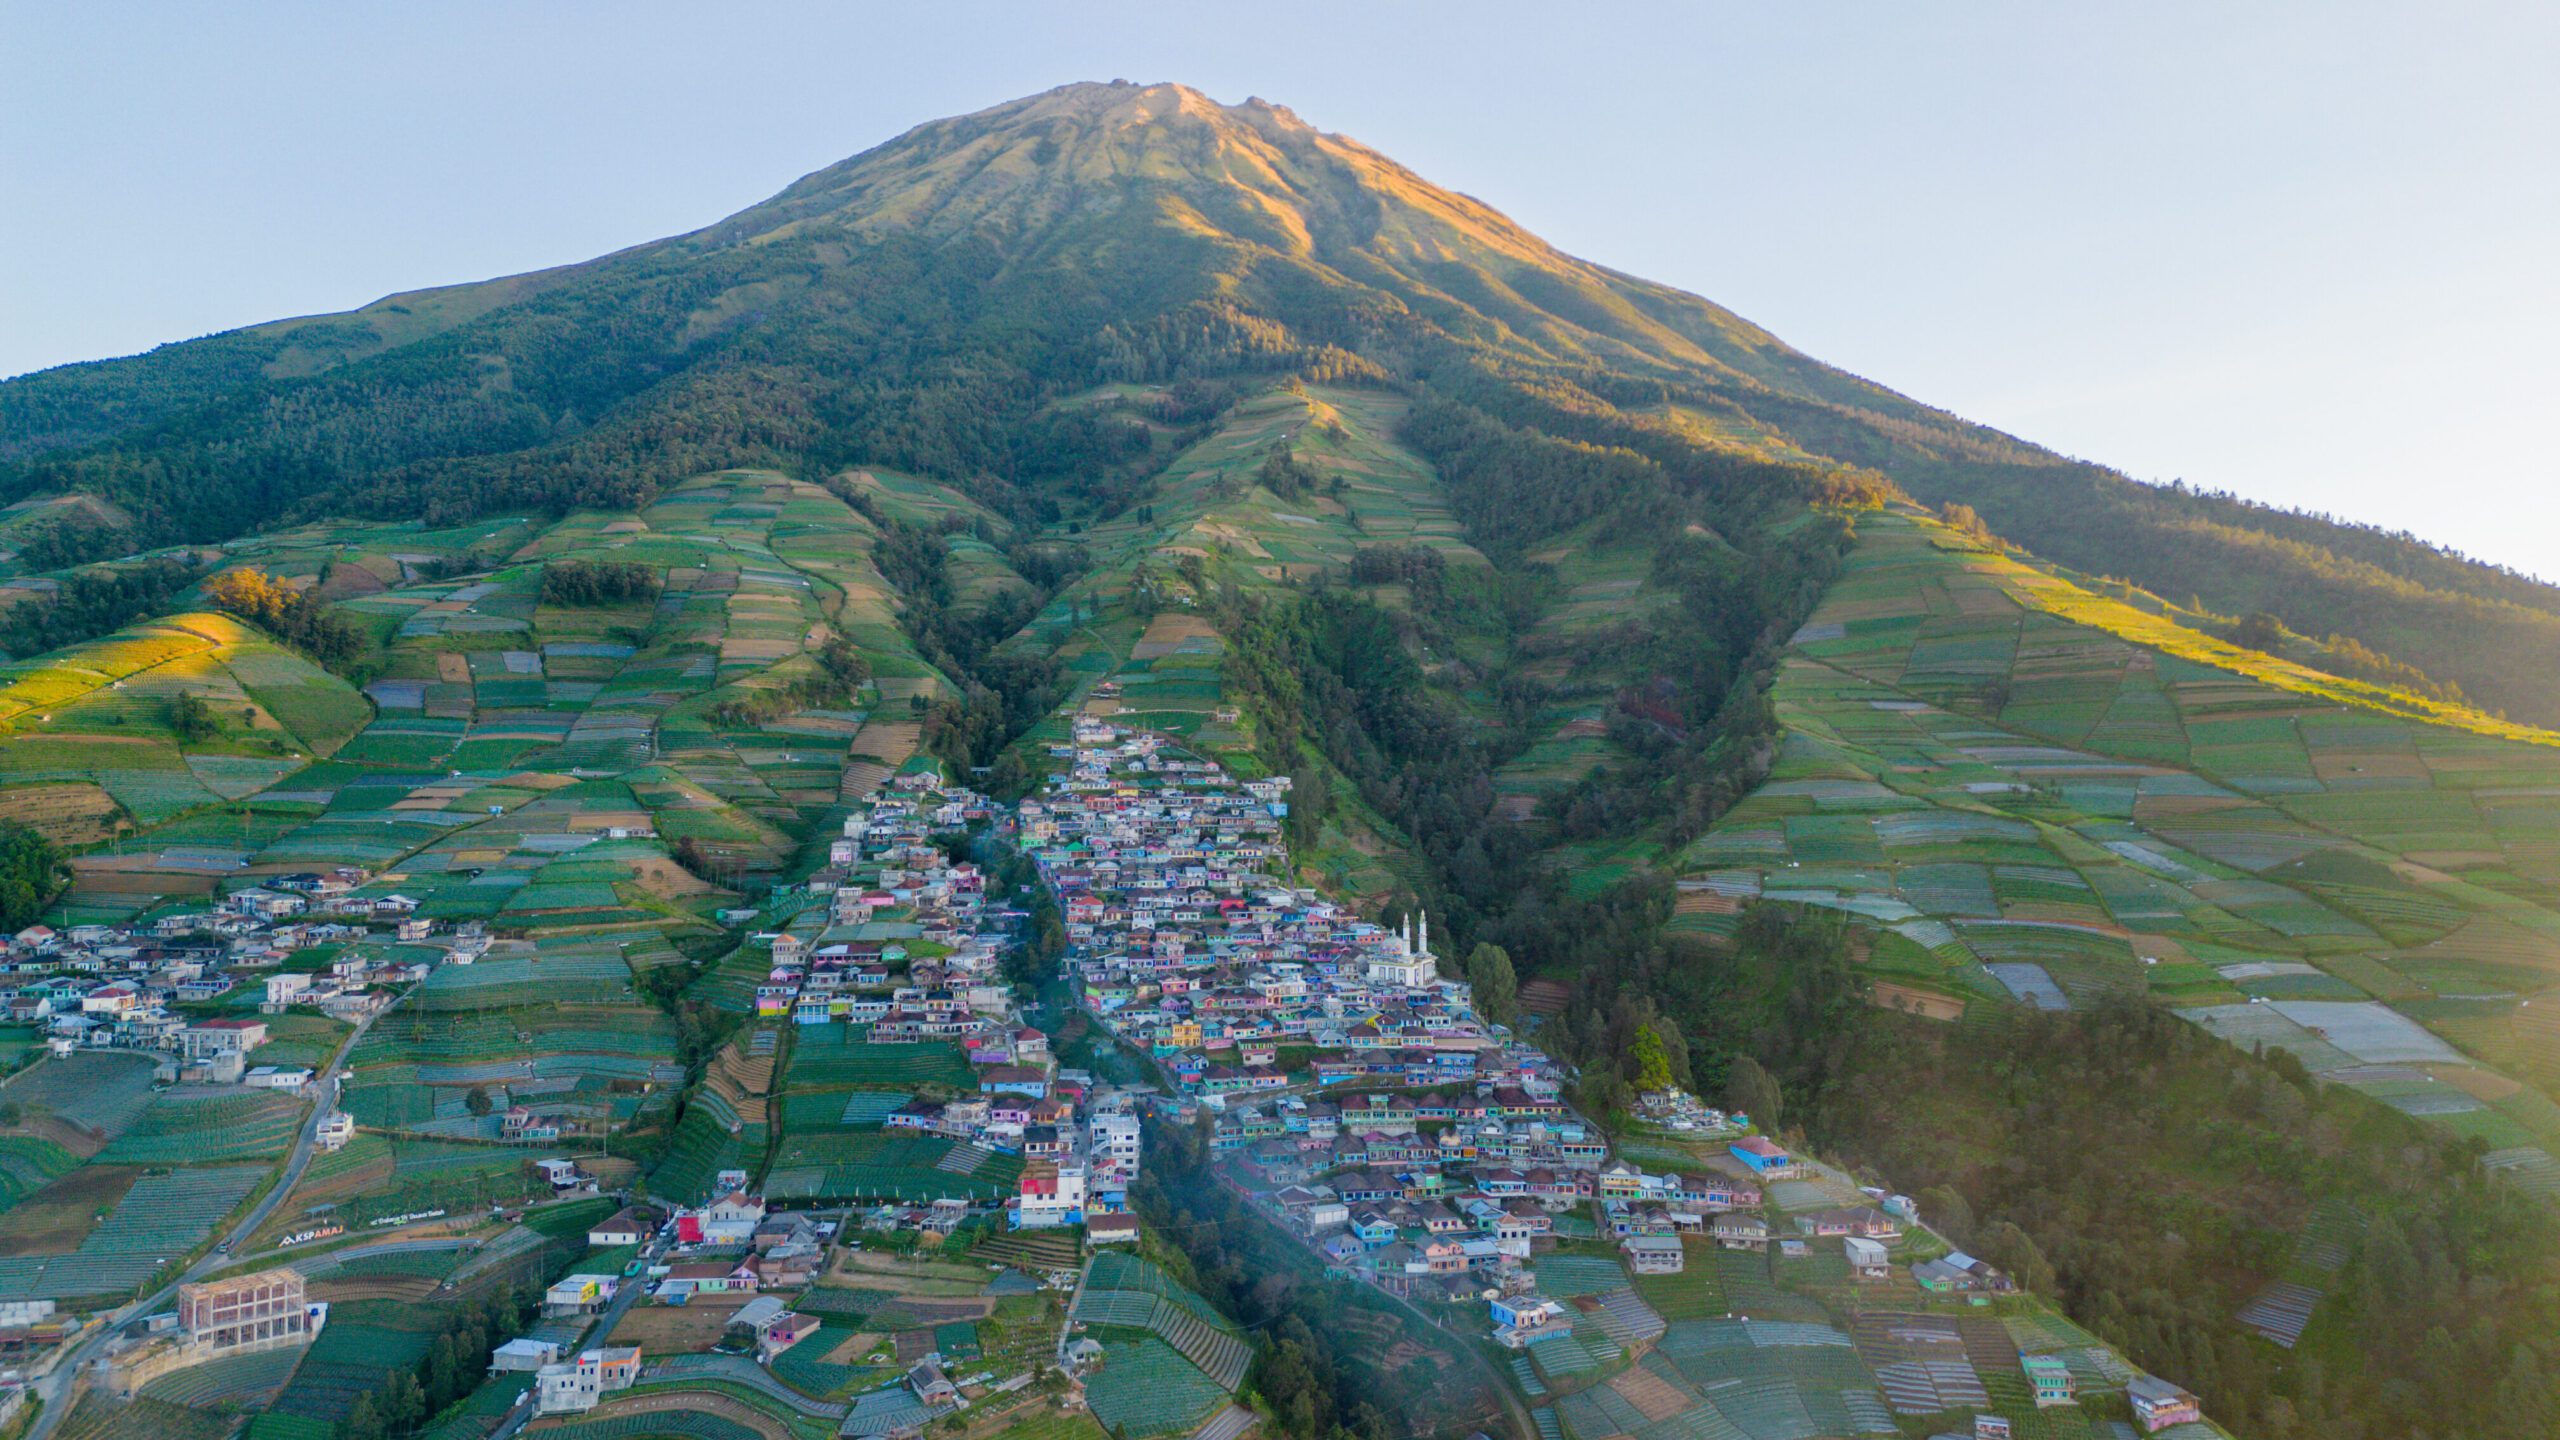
{"x": 456, "y": 1363}
{"x": 86, "y": 604}
{"x": 1002, "y": 693}
{"x": 2461, "y": 623}
{"x": 2151, "y": 1179}
{"x": 597, "y": 582}
{"x": 31, "y": 875}
{"x": 300, "y": 618}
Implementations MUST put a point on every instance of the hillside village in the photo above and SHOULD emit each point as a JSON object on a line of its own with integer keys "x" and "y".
{"x": 1191, "y": 945}
{"x": 1115, "y": 771}
{"x": 1343, "y": 1086}
{"x": 115, "y": 986}
{"x": 1464, "y": 1180}
{"x": 935, "y": 973}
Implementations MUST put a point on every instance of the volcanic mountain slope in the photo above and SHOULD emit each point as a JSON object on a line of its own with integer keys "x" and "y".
{"x": 1582, "y": 613}
{"x": 1156, "y": 406}
{"x": 922, "y": 305}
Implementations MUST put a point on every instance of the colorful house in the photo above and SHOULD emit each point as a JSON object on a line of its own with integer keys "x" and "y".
{"x": 1762, "y": 1155}
{"x": 2050, "y": 1378}
{"x": 2157, "y": 1404}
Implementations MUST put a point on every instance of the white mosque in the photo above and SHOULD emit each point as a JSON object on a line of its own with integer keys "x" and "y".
{"x": 1405, "y": 959}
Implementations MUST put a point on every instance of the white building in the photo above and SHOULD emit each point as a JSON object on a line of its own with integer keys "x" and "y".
{"x": 1406, "y": 961}
{"x": 284, "y": 990}
{"x": 732, "y": 1218}
{"x": 1049, "y": 1200}
{"x": 336, "y": 1129}
{"x": 1114, "y": 1138}
{"x": 527, "y": 1354}
{"x": 565, "y": 1389}
{"x": 211, "y": 1039}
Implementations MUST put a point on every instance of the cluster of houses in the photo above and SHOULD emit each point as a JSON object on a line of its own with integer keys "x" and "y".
{"x": 907, "y": 944}
{"x": 1678, "y": 1110}
{"x": 1515, "y": 1114}
{"x": 723, "y": 1249}
{"x": 731, "y": 1251}
{"x": 127, "y": 986}
{"x": 1080, "y": 1149}
{"x": 569, "y": 1384}
{"x": 911, "y": 949}
{"x": 1187, "y": 942}
{"x": 1448, "y": 1228}
{"x": 731, "y": 1245}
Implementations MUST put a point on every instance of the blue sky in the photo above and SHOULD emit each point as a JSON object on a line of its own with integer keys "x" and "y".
{"x": 2300, "y": 251}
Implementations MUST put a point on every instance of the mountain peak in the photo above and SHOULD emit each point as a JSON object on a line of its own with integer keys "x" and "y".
{"x": 1131, "y": 100}
{"x": 929, "y": 304}
{"x": 1122, "y": 105}
{"x": 1253, "y": 172}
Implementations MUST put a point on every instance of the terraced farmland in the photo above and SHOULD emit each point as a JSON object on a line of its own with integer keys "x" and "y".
{"x": 551, "y": 1024}
{"x": 93, "y": 1097}
{"x": 97, "y": 715}
{"x": 28, "y": 1164}
{"x": 358, "y": 1349}
{"x": 1169, "y": 1358}
{"x": 2039, "y": 795}
{"x": 515, "y": 763}
{"x": 100, "y": 1417}
{"x": 1145, "y": 1387}
{"x": 375, "y": 1176}
{"x": 157, "y": 1220}
{"x": 828, "y": 1161}
{"x": 835, "y": 1057}
{"x": 232, "y": 1382}
{"x": 208, "y": 1127}
{"x": 726, "y": 1124}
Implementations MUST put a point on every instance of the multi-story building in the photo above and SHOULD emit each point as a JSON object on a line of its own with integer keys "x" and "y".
{"x": 1114, "y": 1138}
{"x": 208, "y": 1039}
{"x": 259, "y": 1311}
{"x": 1050, "y": 1194}
{"x": 577, "y": 1385}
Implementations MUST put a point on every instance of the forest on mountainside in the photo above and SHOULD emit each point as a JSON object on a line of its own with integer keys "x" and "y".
{"x": 1317, "y": 1367}
{"x": 2420, "y": 606}
{"x": 1001, "y": 695}
{"x": 912, "y": 310}
{"x": 606, "y": 389}
{"x": 86, "y": 604}
{"x": 579, "y": 582}
{"x": 2153, "y": 1223}
{"x": 300, "y": 618}
{"x": 1332, "y": 679}
{"x": 2155, "y": 1178}
{"x": 31, "y": 875}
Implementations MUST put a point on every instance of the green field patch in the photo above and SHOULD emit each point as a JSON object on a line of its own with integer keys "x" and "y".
{"x": 835, "y": 1057}
{"x": 186, "y": 1127}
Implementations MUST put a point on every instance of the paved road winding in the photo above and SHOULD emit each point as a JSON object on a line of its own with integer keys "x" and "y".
{"x": 59, "y": 1388}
